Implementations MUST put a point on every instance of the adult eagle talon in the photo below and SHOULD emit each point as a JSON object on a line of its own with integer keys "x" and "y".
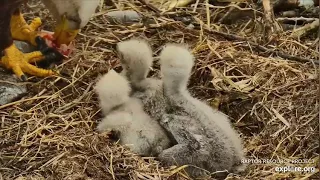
{"x": 18, "y": 62}
{"x": 22, "y": 31}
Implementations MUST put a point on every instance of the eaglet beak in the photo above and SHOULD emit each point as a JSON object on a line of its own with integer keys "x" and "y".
{"x": 63, "y": 34}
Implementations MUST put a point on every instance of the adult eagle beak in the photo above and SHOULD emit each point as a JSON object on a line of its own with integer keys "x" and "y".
{"x": 63, "y": 34}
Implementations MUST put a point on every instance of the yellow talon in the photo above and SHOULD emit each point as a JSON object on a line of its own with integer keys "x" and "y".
{"x": 18, "y": 62}
{"x": 35, "y": 24}
{"x": 33, "y": 57}
{"x": 22, "y": 31}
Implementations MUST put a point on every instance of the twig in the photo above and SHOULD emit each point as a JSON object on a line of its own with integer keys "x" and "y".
{"x": 101, "y": 5}
{"x": 150, "y": 6}
{"x": 237, "y": 7}
{"x": 195, "y": 6}
{"x": 271, "y": 26}
{"x": 226, "y": 15}
{"x": 70, "y": 105}
{"x": 289, "y": 14}
{"x": 267, "y": 10}
{"x": 208, "y": 13}
{"x": 32, "y": 6}
{"x": 319, "y": 76}
{"x": 303, "y": 30}
{"x": 280, "y": 54}
{"x": 296, "y": 19}
{"x": 267, "y": 50}
{"x": 260, "y": 47}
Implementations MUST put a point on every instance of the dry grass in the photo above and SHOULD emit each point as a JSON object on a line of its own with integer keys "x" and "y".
{"x": 273, "y": 103}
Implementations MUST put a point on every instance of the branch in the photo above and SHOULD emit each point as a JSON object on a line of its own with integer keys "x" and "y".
{"x": 264, "y": 49}
{"x": 150, "y": 6}
{"x": 306, "y": 28}
{"x": 259, "y": 47}
{"x": 284, "y": 19}
{"x": 271, "y": 26}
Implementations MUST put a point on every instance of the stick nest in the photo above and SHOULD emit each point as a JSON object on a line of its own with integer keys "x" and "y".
{"x": 272, "y": 102}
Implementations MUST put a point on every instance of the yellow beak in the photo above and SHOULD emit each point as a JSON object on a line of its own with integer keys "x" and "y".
{"x": 63, "y": 34}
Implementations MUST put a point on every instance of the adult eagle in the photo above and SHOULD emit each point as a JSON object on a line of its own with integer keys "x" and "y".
{"x": 71, "y": 16}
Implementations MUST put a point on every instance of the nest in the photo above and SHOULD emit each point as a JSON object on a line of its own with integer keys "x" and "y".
{"x": 272, "y": 102}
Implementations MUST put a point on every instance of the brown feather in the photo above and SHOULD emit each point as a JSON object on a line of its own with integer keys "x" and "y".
{"x": 7, "y": 8}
